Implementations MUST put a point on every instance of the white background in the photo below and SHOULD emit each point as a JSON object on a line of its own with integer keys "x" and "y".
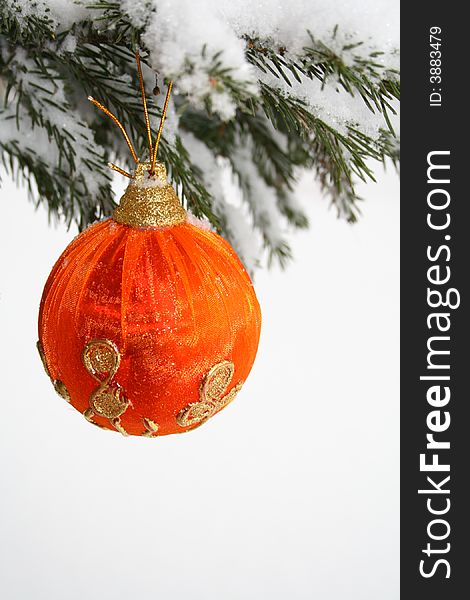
{"x": 291, "y": 492}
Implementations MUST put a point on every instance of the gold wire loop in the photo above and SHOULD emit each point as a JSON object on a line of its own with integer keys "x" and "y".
{"x": 118, "y": 123}
{"x": 153, "y": 149}
{"x": 144, "y": 103}
{"x": 119, "y": 170}
{"x": 160, "y": 129}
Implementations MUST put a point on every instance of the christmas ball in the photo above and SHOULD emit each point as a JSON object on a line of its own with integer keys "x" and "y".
{"x": 148, "y": 324}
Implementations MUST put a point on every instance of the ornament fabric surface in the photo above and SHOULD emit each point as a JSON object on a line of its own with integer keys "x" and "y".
{"x": 148, "y": 325}
{"x": 134, "y": 322}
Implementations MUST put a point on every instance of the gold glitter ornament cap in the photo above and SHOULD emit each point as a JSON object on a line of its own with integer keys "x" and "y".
{"x": 149, "y": 200}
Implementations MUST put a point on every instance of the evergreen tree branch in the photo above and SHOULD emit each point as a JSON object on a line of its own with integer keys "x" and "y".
{"x": 273, "y": 134}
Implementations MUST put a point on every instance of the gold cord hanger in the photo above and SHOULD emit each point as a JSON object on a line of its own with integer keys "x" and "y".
{"x": 118, "y": 123}
{"x": 144, "y": 103}
{"x": 119, "y": 170}
{"x": 152, "y": 149}
{"x": 160, "y": 129}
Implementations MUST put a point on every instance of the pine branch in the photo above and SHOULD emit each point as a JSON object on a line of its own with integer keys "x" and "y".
{"x": 187, "y": 177}
{"x": 77, "y": 170}
{"x": 365, "y": 78}
{"x": 266, "y": 130}
{"x": 55, "y": 185}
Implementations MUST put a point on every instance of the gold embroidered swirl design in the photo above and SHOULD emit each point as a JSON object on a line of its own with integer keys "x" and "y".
{"x": 101, "y": 359}
{"x": 59, "y": 386}
{"x": 151, "y": 427}
{"x": 211, "y": 395}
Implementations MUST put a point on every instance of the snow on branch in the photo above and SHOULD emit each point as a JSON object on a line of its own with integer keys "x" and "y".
{"x": 263, "y": 91}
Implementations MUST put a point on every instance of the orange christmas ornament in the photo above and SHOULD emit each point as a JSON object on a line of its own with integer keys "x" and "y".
{"x": 148, "y": 324}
